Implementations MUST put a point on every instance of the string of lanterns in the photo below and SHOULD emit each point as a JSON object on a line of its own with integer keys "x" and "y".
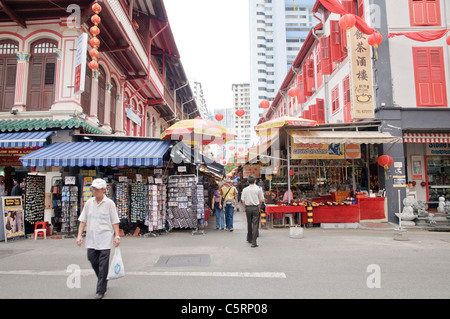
{"x": 95, "y": 31}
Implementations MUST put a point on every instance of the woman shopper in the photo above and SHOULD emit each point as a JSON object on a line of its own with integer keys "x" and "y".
{"x": 217, "y": 208}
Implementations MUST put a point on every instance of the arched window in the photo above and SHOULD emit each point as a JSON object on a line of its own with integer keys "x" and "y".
{"x": 41, "y": 87}
{"x": 8, "y": 68}
{"x": 113, "y": 105}
{"x": 101, "y": 94}
{"x": 86, "y": 95}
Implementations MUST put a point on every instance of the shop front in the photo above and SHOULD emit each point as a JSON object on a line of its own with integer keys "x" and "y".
{"x": 428, "y": 158}
{"x": 142, "y": 178}
{"x": 333, "y": 170}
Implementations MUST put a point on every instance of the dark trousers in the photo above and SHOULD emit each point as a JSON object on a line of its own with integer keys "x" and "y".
{"x": 100, "y": 263}
{"x": 252, "y": 223}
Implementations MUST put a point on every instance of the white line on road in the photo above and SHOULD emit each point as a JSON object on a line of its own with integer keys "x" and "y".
{"x": 87, "y": 272}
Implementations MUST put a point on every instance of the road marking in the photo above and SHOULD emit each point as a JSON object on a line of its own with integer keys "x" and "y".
{"x": 87, "y": 272}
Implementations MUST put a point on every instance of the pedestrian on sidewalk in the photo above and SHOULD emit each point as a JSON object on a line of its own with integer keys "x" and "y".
{"x": 252, "y": 197}
{"x": 230, "y": 201}
{"x": 217, "y": 208}
{"x": 100, "y": 216}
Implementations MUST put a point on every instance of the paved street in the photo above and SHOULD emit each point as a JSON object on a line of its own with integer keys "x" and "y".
{"x": 220, "y": 265}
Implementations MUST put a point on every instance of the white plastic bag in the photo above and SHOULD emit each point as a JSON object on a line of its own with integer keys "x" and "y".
{"x": 116, "y": 269}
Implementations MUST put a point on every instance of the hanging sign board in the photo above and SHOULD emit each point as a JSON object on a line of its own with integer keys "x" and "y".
{"x": 317, "y": 150}
{"x": 361, "y": 81}
{"x": 80, "y": 63}
{"x": 254, "y": 170}
{"x": 13, "y": 217}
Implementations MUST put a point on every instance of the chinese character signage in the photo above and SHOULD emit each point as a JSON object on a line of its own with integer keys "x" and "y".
{"x": 361, "y": 75}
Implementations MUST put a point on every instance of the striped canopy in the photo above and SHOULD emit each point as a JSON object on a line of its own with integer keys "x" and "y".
{"x": 115, "y": 153}
{"x": 24, "y": 139}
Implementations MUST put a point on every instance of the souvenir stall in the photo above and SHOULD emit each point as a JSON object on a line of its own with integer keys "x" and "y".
{"x": 332, "y": 169}
{"x": 135, "y": 182}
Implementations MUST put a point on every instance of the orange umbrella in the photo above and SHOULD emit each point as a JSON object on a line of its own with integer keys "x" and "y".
{"x": 270, "y": 127}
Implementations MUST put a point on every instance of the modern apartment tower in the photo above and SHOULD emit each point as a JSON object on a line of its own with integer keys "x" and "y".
{"x": 278, "y": 29}
{"x": 241, "y": 124}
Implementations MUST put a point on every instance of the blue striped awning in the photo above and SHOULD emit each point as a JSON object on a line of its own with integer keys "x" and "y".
{"x": 24, "y": 139}
{"x": 114, "y": 153}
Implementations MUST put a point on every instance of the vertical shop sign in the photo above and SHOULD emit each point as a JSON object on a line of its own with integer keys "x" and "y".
{"x": 80, "y": 63}
{"x": 361, "y": 81}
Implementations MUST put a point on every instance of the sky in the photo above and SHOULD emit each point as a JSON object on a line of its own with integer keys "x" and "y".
{"x": 213, "y": 40}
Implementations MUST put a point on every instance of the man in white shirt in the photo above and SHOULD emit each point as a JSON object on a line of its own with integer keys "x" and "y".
{"x": 252, "y": 197}
{"x": 100, "y": 216}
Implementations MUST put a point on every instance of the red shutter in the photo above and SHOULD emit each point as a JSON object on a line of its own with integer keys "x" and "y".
{"x": 335, "y": 36}
{"x": 318, "y": 66}
{"x": 429, "y": 75}
{"x": 301, "y": 92}
{"x": 361, "y": 8}
{"x": 320, "y": 111}
{"x": 325, "y": 55}
{"x": 335, "y": 99}
{"x": 347, "y": 102}
{"x": 313, "y": 110}
{"x": 307, "y": 114}
{"x": 425, "y": 12}
{"x": 349, "y": 5}
{"x": 308, "y": 77}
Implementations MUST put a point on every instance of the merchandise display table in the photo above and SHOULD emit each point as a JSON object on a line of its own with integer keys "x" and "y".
{"x": 334, "y": 214}
{"x": 372, "y": 208}
{"x": 277, "y": 210}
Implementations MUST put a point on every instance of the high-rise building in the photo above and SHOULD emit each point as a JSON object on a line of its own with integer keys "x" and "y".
{"x": 241, "y": 124}
{"x": 277, "y": 31}
{"x": 200, "y": 100}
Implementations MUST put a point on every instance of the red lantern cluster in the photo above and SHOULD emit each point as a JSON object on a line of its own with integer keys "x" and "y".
{"x": 347, "y": 21}
{"x": 385, "y": 161}
{"x": 95, "y": 42}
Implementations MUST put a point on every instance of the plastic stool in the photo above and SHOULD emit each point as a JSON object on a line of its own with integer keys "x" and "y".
{"x": 40, "y": 227}
{"x": 291, "y": 219}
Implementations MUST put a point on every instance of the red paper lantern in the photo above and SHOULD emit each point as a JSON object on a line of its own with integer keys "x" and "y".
{"x": 240, "y": 149}
{"x": 423, "y": 184}
{"x": 219, "y": 117}
{"x": 222, "y": 157}
{"x": 293, "y": 92}
{"x": 240, "y": 112}
{"x": 94, "y": 42}
{"x": 93, "y": 65}
{"x": 231, "y": 164}
{"x": 224, "y": 162}
{"x": 375, "y": 39}
{"x": 96, "y": 19}
{"x": 95, "y": 30}
{"x": 264, "y": 104}
{"x": 385, "y": 161}
{"x": 93, "y": 53}
{"x": 347, "y": 21}
{"x": 448, "y": 40}
{"x": 236, "y": 154}
{"x": 231, "y": 147}
{"x": 198, "y": 118}
{"x": 96, "y": 8}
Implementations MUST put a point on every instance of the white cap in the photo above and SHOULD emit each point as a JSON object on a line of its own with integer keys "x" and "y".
{"x": 98, "y": 183}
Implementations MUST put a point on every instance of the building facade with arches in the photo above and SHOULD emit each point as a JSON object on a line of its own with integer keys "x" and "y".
{"x": 138, "y": 89}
